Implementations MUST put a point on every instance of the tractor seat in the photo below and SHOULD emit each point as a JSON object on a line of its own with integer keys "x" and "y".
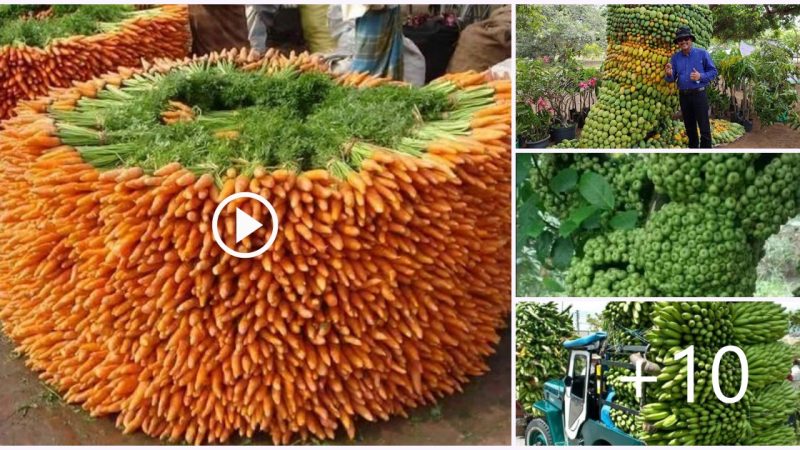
{"x": 586, "y": 340}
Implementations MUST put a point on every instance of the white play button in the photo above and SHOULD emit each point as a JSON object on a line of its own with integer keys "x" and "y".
{"x": 245, "y": 225}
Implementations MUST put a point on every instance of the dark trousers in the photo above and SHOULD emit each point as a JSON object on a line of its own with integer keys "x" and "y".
{"x": 694, "y": 108}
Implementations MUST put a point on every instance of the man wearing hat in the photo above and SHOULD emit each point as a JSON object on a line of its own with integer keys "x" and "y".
{"x": 692, "y": 69}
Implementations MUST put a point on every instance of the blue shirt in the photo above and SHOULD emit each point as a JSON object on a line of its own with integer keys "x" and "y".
{"x": 682, "y": 66}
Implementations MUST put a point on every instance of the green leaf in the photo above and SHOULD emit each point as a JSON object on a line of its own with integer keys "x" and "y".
{"x": 625, "y": 220}
{"x": 593, "y": 222}
{"x": 551, "y": 284}
{"x": 524, "y": 192}
{"x": 562, "y": 253}
{"x": 582, "y": 213}
{"x": 565, "y": 180}
{"x": 543, "y": 245}
{"x": 567, "y": 227}
{"x": 529, "y": 224}
{"x": 596, "y": 190}
{"x": 524, "y": 164}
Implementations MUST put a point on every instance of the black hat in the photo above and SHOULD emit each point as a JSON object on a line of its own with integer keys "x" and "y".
{"x": 682, "y": 33}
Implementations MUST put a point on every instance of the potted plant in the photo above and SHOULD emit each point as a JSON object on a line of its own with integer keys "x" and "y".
{"x": 738, "y": 75}
{"x": 553, "y": 86}
{"x": 560, "y": 90}
{"x": 586, "y": 95}
{"x": 533, "y": 126}
{"x": 775, "y": 94}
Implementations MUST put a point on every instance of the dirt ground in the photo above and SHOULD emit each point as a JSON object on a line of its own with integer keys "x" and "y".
{"x": 774, "y": 136}
{"x": 32, "y": 414}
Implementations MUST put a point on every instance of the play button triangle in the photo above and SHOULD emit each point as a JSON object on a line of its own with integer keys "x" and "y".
{"x": 245, "y": 225}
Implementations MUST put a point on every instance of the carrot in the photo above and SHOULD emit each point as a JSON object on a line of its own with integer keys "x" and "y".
{"x": 486, "y": 135}
{"x": 387, "y": 288}
{"x": 42, "y": 140}
{"x": 485, "y": 121}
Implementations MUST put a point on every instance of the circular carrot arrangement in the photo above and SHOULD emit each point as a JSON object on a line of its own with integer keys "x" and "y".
{"x": 27, "y": 71}
{"x": 383, "y": 291}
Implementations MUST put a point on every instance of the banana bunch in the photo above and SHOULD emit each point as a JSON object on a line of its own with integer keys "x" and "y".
{"x": 629, "y": 314}
{"x": 540, "y": 355}
{"x": 758, "y": 322}
{"x": 625, "y": 396}
{"x": 673, "y": 379}
{"x": 679, "y": 325}
{"x": 759, "y": 418}
{"x": 767, "y": 363}
{"x": 779, "y": 435}
{"x": 626, "y": 422}
{"x": 710, "y": 423}
{"x": 771, "y": 405}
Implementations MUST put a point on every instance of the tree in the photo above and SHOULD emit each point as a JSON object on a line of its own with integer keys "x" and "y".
{"x": 595, "y": 322}
{"x": 744, "y": 22}
{"x": 559, "y": 30}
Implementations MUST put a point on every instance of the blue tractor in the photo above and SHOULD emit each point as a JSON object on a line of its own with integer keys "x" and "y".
{"x": 576, "y": 410}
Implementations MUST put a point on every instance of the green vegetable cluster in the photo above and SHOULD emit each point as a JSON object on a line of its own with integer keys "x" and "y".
{"x": 19, "y": 24}
{"x": 759, "y": 418}
{"x": 662, "y": 224}
{"x": 540, "y": 355}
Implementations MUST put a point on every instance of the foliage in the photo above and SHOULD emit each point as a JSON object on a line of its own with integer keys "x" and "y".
{"x": 554, "y": 86}
{"x": 790, "y": 38}
{"x": 775, "y": 96}
{"x": 760, "y": 84}
{"x": 556, "y": 31}
{"x": 737, "y": 78}
{"x": 745, "y": 22}
{"x": 559, "y": 209}
{"x": 541, "y": 330}
{"x": 794, "y": 318}
{"x": 533, "y": 125}
{"x": 654, "y": 224}
{"x": 777, "y": 271}
{"x": 37, "y": 25}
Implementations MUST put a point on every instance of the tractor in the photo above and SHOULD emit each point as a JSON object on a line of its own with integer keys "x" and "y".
{"x": 576, "y": 410}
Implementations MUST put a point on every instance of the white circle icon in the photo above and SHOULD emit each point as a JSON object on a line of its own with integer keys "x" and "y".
{"x": 245, "y": 225}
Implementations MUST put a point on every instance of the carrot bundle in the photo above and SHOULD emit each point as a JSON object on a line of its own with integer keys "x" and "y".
{"x": 27, "y": 72}
{"x": 383, "y": 291}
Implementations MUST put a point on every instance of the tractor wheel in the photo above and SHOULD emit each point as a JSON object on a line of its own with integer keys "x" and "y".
{"x": 538, "y": 433}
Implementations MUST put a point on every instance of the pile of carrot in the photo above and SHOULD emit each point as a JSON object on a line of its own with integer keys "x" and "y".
{"x": 27, "y": 72}
{"x": 383, "y": 291}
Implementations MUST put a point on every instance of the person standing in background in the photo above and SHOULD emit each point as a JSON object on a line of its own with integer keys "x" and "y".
{"x": 692, "y": 69}
{"x": 258, "y": 19}
{"x": 274, "y": 26}
{"x": 378, "y": 40}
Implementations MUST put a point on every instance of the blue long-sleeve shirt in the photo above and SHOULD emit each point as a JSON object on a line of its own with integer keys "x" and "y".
{"x": 682, "y": 66}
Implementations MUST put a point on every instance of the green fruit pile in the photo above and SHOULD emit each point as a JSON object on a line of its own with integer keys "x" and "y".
{"x": 541, "y": 329}
{"x": 626, "y": 173}
{"x": 722, "y": 132}
{"x": 759, "y": 191}
{"x": 758, "y": 323}
{"x": 759, "y": 418}
{"x": 767, "y": 423}
{"x": 625, "y": 323}
{"x": 701, "y": 220}
{"x": 712, "y": 423}
{"x": 766, "y": 363}
{"x": 635, "y": 104}
{"x": 605, "y": 269}
{"x": 691, "y": 250}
